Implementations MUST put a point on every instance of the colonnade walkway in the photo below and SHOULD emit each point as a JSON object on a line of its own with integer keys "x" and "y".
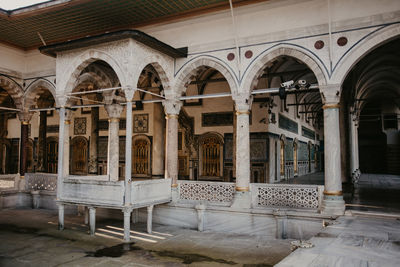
{"x": 377, "y": 193}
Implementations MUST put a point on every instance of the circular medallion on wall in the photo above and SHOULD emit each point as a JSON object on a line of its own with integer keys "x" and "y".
{"x": 342, "y": 41}
{"x": 248, "y": 54}
{"x": 319, "y": 44}
{"x": 230, "y": 56}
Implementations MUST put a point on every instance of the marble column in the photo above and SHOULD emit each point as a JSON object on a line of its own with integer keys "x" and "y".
{"x": 172, "y": 108}
{"x": 158, "y": 141}
{"x": 150, "y": 219}
{"x": 92, "y": 220}
{"x": 42, "y": 158}
{"x": 114, "y": 112}
{"x": 242, "y": 195}
{"x": 61, "y": 134}
{"x": 66, "y": 150}
{"x": 127, "y": 224}
{"x": 234, "y": 145}
{"x": 94, "y": 134}
{"x": 353, "y": 121}
{"x": 333, "y": 202}
{"x": 24, "y": 117}
{"x": 129, "y": 93}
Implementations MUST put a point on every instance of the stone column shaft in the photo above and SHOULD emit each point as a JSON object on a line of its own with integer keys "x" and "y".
{"x": 172, "y": 148}
{"x": 333, "y": 181}
{"x": 128, "y": 153}
{"x": 66, "y": 150}
{"x": 172, "y": 108}
{"x": 60, "y": 172}
{"x": 158, "y": 141}
{"x": 242, "y": 151}
{"x": 127, "y": 225}
{"x": 114, "y": 112}
{"x": 23, "y": 161}
{"x": 333, "y": 197}
{"x": 94, "y": 134}
{"x": 42, "y": 152}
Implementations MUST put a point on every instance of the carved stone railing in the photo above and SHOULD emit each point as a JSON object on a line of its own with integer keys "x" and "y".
{"x": 199, "y": 191}
{"x": 7, "y": 181}
{"x": 287, "y": 196}
{"x": 41, "y": 181}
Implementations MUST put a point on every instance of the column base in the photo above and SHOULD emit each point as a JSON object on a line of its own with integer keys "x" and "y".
{"x": 241, "y": 200}
{"x": 333, "y": 205}
{"x": 174, "y": 195}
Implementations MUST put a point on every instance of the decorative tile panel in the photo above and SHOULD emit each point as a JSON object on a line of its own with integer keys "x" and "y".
{"x": 79, "y": 126}
{"x": 288, "y": 124}
{"x": 307, "y": 132}
{"x": 141, "y": 123}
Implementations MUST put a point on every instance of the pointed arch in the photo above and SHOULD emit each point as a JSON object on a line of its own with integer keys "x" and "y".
{"x": 36, "y": 88}
{"x": 256, "y": 68}
{"x": 190, "y": 68}
{"x": 13, "y": 89}
{"x": 363, "y": 47}
{"x": 81, "y": 62}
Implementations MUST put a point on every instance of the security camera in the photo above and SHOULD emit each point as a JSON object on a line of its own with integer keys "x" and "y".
{"x": 287, "y": 84}
{"x": 302, "y": 82}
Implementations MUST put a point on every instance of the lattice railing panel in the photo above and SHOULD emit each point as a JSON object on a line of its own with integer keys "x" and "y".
{"x": 41, "y": 181}
{"x": 287, "y": 196}
{"x": 206, "y": 191}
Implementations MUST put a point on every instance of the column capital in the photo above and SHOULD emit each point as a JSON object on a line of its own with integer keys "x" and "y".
{"x": 114, "y": 110}
{"x": 243, "y": 103}
{"x": 25, "y": 116}
{"x": 330, "y": 94}
{"x": 61, "y": 100}
{"x": 172, "y": 106}
{"x": 129, "y": 93}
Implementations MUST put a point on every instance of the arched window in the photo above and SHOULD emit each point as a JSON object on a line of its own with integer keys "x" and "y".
{"x": 282, "y": 157}
{"x": 211, "y": 150}
{"x": 141, "y": 156}
{"x": 79, "y": 155}
{"x": 5, "y": 155}
{"x": 295, "y": 161}
{"x": 52, "y": 154}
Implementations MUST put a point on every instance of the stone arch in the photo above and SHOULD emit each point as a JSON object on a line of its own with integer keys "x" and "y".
{"x": 13, "y": 89}
{"x": 82, "y": 61}
{"x": 35, "y": 88}
{"x": 160, "y": 67}
{"x": 255, "y": 69}
{"x": 359, "y": 50}
{"x": 190, "y": 68}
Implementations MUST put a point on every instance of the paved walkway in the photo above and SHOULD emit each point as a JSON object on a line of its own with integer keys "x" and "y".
{"x": 30, "y": 238}
{"x": 352, "y": 241}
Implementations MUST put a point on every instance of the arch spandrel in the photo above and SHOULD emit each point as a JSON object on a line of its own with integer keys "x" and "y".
{"x": 256, "y": 68}
{"x": 190, "y": 69}
{"x": 363, "y": 48}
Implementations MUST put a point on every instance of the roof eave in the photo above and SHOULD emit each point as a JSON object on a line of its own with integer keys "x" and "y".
{"x": 52, "y": 50}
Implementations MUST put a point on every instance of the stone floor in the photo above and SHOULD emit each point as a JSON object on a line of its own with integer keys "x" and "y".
{"x": 352, "y": 241}
{"x": 30, "y": 238}
{"x": 373, "y": 193}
